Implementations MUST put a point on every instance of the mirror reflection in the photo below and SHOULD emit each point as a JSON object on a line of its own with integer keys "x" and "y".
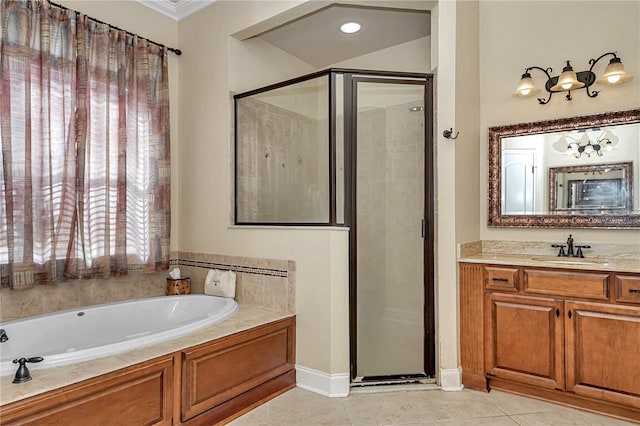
{"x": 591, "y": 189}
{"x": 581, "y": 171}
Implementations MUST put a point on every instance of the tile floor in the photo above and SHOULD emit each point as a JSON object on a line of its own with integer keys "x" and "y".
{"x": 299, "y": 407}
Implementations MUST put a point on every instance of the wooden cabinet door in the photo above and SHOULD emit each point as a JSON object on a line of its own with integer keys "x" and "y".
{"x": 524, "y": 339}
{"x": 137, "y": 395}
{"x": 603, "y": 351}
{"x": 216, "y": 372}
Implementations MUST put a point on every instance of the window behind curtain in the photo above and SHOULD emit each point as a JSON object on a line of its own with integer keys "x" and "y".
{"x": 84, "y": 125}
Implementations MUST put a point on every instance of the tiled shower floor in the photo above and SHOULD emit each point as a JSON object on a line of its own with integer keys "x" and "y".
{"x": 424, "y": 407}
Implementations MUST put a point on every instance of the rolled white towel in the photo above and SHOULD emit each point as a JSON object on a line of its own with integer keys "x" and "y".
{"x": 220, "y": 283}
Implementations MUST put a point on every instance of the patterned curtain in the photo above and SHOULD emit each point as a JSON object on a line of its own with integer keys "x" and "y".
{"x": 84, "y": 127}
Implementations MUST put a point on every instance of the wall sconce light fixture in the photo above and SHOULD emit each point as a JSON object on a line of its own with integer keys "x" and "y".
{"x": 606, "y": 142}
{"x": 569, "y": 80}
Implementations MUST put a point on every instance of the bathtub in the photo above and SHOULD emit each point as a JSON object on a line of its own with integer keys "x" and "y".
{"x": 75, "y": 335}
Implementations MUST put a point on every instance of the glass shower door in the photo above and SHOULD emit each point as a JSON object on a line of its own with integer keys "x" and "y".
{"x": 389, "y": 227}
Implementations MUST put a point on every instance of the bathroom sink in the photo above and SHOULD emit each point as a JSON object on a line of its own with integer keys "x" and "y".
{"x": 575, "y": 261}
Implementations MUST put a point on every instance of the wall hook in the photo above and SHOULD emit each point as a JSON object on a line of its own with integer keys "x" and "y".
{"x": 447, "y": 134}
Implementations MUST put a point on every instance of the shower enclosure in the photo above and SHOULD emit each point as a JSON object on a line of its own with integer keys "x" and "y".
{"x": 353, "y": 148}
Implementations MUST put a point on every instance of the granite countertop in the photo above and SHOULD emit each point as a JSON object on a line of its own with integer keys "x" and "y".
{"x": 591, "y": 264}
{"x": 48, "y": 379}
{"x": 609, "y": 257}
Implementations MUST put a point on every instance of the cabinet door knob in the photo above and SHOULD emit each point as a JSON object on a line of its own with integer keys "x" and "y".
{"x": 557, "y": 312}
{"x": 569, "y": 314}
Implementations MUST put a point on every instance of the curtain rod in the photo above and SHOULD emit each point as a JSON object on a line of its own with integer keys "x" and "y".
{"x": 170, "y": 49}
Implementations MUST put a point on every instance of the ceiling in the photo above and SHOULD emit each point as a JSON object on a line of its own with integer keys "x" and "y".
{"x": 176, "y": 9}
{"x": 315, "y": 38}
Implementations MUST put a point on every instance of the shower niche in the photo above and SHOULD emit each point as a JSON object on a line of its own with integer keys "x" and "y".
{"x": 353, "y": 148}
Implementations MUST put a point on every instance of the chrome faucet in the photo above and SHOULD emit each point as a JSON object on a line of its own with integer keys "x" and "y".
{"x": 572, "y": 250}
{"x": 3, "y": 336}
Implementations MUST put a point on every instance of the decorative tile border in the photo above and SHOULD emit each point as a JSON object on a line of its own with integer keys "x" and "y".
{"x": 235, "y": 268}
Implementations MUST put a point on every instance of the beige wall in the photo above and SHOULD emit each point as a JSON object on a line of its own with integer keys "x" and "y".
{"x": 446, "y": 27}
{"x": 515, "y": 35}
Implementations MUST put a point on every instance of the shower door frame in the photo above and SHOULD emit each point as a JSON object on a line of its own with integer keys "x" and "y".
{"x": 351, "y": 79}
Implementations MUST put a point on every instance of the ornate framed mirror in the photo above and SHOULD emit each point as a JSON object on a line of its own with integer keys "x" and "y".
{"x": 578, "y": 172}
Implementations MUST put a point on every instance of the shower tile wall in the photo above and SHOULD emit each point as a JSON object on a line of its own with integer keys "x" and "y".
{"x": 268, "y": 283}
{"x": 390, "y": 202}
{"x": 282, "y": 165}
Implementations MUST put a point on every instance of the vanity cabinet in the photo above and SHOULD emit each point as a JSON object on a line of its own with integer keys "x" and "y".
{"x": 603, "y": 351}
{"x": 524, "y": 339}
{"x": 571, "y": 336}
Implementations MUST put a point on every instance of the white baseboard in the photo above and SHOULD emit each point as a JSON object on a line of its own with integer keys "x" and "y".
{"x": 451, "y": 379}
{"x": 332, "y": 385}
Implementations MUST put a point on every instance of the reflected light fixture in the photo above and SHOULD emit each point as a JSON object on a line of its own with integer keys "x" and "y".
{"x": 569, "y": 80}
{"x": 350, "y": 27}
{"x": 606, "y": 142}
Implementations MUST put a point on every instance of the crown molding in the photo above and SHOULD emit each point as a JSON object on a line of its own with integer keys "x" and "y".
{"x": 176, "y": 9}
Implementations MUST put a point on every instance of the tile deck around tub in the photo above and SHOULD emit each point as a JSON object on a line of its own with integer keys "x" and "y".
{"x": 44, "y": 380}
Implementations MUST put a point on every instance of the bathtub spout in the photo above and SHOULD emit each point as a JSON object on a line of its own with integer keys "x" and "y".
{"x": 3, "y": 336}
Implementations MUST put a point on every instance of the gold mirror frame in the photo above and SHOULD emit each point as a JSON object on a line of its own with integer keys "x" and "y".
{"x": 496, "y": 134}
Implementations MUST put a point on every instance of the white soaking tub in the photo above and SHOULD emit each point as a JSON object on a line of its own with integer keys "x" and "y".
{"x": 75, "y": 335}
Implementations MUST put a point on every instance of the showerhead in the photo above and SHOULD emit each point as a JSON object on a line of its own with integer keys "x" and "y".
{"x": 416, "y": 109}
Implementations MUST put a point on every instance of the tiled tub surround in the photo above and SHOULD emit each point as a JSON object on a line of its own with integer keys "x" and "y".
{"x": 44, "y": 299}
{"x": 268, "y": 283}
{"x": 600, "y": 257}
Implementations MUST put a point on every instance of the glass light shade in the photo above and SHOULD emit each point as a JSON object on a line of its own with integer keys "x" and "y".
{"x": 584, "y": 139}
{"x": 562, "y": 145}
{"x": 568, "y": 80}
{"x": 612, "y": 137}
{"x": 526, "y": 87}
{"x": 614, "y": 74}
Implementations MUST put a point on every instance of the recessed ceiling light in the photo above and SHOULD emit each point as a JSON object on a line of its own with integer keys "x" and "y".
{"x": 350, "y": 27}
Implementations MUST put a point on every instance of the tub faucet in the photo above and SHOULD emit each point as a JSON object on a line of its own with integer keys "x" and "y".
{"x": 23, "y": 375}
{"x": 3, "y": 336}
